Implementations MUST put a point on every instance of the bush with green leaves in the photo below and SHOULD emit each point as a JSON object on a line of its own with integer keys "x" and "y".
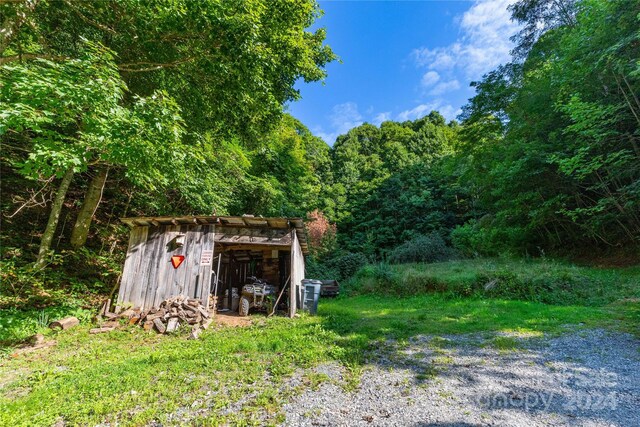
{"x": 318, "y": 269}
{"x": 422, "y": 248}
{"x": 347, "y": 264}
{"x": 484, "y": 238}
{"x": 373, "y": 279}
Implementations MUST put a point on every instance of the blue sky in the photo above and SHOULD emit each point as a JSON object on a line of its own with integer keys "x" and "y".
{"x": 402, "y": 59}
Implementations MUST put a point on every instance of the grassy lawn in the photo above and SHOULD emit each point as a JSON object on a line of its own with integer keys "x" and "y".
{"x": 132, "y": 377}
{"x": 239, "y": 375}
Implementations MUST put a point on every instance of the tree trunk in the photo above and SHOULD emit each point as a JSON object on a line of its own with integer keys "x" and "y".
{"x": 88, "y": 209}
{"x": 54, "y": 216}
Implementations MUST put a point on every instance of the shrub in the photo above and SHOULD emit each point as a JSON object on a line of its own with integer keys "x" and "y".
{"x": 346, "y": 265}
{"x": 340, "y": 267}
{"x": 71, "y": 278}
{"x": 422, "y": 248}
{"x": 545, "y": 287}
{"x": 484, "y": 238}
{"x": 373, "y": 279}
{"x": 316, "y": 269}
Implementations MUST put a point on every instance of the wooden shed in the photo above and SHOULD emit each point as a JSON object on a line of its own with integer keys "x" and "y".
{"x": 196, "y": 256}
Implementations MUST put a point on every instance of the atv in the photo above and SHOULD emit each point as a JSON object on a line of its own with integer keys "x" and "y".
{"x": 257, "y": 294}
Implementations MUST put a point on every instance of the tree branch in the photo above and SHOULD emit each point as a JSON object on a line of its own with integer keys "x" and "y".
{"x": 26, "y": 56}
{"x": 9, "y": 29}
{"x": 89, "y": 21}
{"x": 32, "y": 200}
{"x": 151, "y": 66}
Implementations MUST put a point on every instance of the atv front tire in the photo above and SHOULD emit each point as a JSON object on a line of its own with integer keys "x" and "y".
{"x": 243, "y": 309}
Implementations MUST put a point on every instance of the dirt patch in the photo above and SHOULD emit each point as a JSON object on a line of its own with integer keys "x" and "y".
{"x": 229, "y": 318}
{"x": 36, "y": 342}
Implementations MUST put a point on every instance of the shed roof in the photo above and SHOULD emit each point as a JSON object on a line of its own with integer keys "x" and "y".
{"x": 244, "y": 221}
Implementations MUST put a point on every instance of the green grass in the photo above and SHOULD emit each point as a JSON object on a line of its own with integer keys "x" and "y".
{"x": 540, "y": 280}
{"x": 366, "y": 320}
{"x": 132, "y": 377}
{"x": 504, "y": 344}
{"x": 17, "y": 325}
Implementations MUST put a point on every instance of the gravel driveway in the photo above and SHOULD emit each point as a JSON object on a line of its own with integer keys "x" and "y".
{"x": 585, "y": 377}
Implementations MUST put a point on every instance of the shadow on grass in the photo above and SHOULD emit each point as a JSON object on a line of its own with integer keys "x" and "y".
{"x": 363, "y": 320}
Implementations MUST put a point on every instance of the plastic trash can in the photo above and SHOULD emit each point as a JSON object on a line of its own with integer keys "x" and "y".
{"x": 302, "y": 292}
{"x": 311, "y": 295}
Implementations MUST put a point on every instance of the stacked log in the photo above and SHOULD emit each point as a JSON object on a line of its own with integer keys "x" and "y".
{"x": 169, "y": 316}
{"x": 64, "y": 324}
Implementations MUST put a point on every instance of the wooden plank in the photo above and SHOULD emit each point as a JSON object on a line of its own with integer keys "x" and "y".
{"x": 297, "y": 273}
{"x": 214, "y": 219}
{"x": 278, "y": 223}
{"x": 189, "y": 276}
{"x": 136, "y": 295}
{"x": 135, "y": 252}
{"x": 137, "y": 280}
{"x": 151, "y": 264}
{"x": 208, "y": 244}
{"x": 252, "y": 235}
{"x": 165, "y": 271}
{"x": 251, "y": 247}
{"x": 256, "y": 222}
{"x": 127, "y": 270}
{"x": 166, "y": 279}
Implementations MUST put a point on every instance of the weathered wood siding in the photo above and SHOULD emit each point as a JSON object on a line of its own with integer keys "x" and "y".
{"x": 253, "y": 236}
{"x": 297, "y": 273}
{"x": 149, "y": 278}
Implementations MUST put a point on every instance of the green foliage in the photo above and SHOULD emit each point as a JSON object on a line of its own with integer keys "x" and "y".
{"x": 398, "y": 167}
{"x": 230, "y": 66}
{"x": 483, "y": 238}
{"x": 181, "y": 101}
{"x": 347, "y": 264}
{"x": 70, "y": 115}
{"x": 287, "y": 171}
{"x": 561, "y": 171}
{"x": 422, "y": 248}
{"x": 316, "y": 269}
{"x": 24, "y": 287}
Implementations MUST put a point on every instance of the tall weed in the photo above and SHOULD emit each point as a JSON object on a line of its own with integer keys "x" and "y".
{"x": 540, "y": 281}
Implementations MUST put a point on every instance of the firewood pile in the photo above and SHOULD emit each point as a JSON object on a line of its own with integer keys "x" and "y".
{"x": 168, "y": 317}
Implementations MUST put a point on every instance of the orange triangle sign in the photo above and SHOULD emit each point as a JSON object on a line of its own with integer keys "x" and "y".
{"x": 176, "y": 260}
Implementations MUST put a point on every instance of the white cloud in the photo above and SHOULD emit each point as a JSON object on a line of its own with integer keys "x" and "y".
{"x": 439, "y": 58}
{"x": 483, "y": 45}
{"x": 444, "y": 87}
{"x": 448, "y": 111}
{"x": 381, "y": 117}
{"x": 417, "y": 112}
{"x": 343, "y": 117}
{"x": 430, "y": 78}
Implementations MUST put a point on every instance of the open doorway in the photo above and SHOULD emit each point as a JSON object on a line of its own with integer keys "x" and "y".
{"x": 249, "y": 279}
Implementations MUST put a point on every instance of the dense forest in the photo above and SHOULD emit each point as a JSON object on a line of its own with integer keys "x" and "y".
{"x": 179, "y": 107}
